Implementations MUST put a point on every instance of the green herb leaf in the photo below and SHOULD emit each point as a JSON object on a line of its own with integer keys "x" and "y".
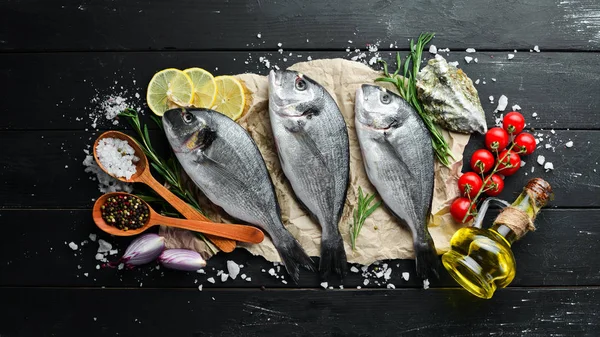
{"x": 362, "y": 211}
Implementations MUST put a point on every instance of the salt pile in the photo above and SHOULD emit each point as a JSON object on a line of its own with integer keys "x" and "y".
{"x": 117, "y": 157}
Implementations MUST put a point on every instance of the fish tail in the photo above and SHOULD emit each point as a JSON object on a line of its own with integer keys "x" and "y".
{"x": 333, "y": 256}
{"x": 426, "y": 256}
{"x": 292, "y": 255}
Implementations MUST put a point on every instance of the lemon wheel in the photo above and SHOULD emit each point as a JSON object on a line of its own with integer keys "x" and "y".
{"x": 205, "y": 87}
{"x": 168, "y": 87}
{"x": 230, "y": 99}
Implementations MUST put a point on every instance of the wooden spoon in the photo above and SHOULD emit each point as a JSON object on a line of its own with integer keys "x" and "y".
{"x": 236, "y": 232}
{"x": 144, "y": 176}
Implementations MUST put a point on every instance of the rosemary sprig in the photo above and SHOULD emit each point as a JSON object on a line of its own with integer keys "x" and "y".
{"x": 168, "y": 169}
{"x": 407, "y": 87}
{"x": 361, "y": 213}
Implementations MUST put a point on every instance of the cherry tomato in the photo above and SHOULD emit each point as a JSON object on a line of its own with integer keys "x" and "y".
{"x": 513, "y": 122}
{"x": 469, "y": 184}
{"x": 494, "y": 185}
{"x": 509, "y": 162}
{"x": 496, "y": 139}
{"x": 525, "y": 143}
{"x": 482, "y": 161}
{"x": 460, "y": 208}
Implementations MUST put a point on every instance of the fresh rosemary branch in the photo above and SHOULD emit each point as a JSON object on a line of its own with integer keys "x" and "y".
{"x": 168, "y": 169}
{"x": 407, "y": 87}
{"x": 361, "y": 213}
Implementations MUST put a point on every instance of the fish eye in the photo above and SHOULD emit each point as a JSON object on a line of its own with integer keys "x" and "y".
{"x": 187, "y": 117}
{"x": 385, "y": 99}
{"x": 300, "y": 84}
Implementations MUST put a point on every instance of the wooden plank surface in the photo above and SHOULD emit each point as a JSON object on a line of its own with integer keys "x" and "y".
{"x": 405, "y": 312}
{"x": 35, "y": 25}
{"x": 555, "y": 86}
{"x": 35, "y": 252}
{"x": 65, "y": 185}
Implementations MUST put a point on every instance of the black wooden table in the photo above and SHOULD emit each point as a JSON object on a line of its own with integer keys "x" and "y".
{"x": 57, "y": 56}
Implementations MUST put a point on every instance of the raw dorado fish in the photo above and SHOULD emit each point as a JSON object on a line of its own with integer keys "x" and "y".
{"x": 398, "y": 159}
{"x": 312, "y": 142}
{"x": 225, "y": 163}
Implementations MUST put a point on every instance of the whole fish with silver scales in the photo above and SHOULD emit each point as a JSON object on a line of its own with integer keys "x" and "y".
{"x": 224, "y": 162}
{"x": 398, "y": 158}
{"x": 312, "y": 143}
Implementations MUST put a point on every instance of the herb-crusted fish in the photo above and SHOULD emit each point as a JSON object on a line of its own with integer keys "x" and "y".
{"x": 398, "y": 159}
{"x": 225, "y": 163}
{"x": 312, "y": 142}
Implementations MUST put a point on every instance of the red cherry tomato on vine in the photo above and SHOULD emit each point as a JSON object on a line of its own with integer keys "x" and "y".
{"x": 494, "y": 185}
{"x": 513, "y": 122}
{"x": 469, "y": 184}
{"x": 496, "y": 139}
{"x": 482, "y": 161}
{"x": 460, "y": 208}
{"x": 509, "y": 163}
{"x": 524, "y": 143}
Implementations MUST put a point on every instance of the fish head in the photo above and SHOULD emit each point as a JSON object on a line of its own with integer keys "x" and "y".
{"x": 292, "y": 94}
{"x": 188, "y": 129}
{"x": 378, "y": 108}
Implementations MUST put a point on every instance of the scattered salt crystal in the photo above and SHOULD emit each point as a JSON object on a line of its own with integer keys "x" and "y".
{"x": 73, "y": 245}
{"x": 493, "y": 79}
{"x": 330, "y": 287}
{"x": 476, "y": 60}
{"x": 541, "y": 159}
{"x": 224, "y": 277}
{"x": 106, "y": 183}
{"x": 200, "y": 287}
{"x": 548, "y": 166}
{"x": 516, "y": 107}
{"x": 97, "y": 266}
{"x": 349, "y": 41}
{"x": 387, "y": 274}
{"x": 93, "y": 237}
{"x": 324, "y": 285}
{"x": 120, "y": 266}
{"x": 548, "y": 146}
{"x": 468, "y": 59}
{"x": 523, "y": 163}
{"x": 405, "y": 276}
{"x": 491, "y": 98}
{"x": 233, "y": 269}
{"x": 511, "y": 56}
{"x": 358, "y": 287}
{"x": 354, "y": 269}
{"x": 552, "y": 131}
{"x": 284, "y": 281}
{"x": 391, "y": 286}
{"x": 200, "y": 271}
{"x": 243, "y": 276}
{"x": 532, "y": 169}
{"x": 248, "y": 279}
{"x": 433, "y": 49}
{"x": 103, "y": 246}
{"x": 502, "y": 103}
{"x": 455, "y": 63}
{"x": 365, "y": 282}
{"x": 309, "y": 58}
{"x": 470, "y": 50}
{"x": 259, "y": 35}
{"x": 477, "y": 81}
{"x": 569, "y": 144}
{"x": 211, "y": 280}
{"x": 99, "y": 257}
{"x": 534, "y": 114}
{"x": 537, "y": 49}
{"x": 279, "y": 44}
{"x": 272, "y": 272}
{"x": 86, "y": 274}
{"x": 425, "y": 284}
{"x": 219, "y": 272}
{"x": 113, "y": 251}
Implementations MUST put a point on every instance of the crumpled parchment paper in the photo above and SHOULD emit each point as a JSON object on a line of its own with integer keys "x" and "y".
{"x": 381, "y": 236}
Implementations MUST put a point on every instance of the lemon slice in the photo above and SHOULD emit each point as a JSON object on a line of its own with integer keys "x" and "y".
{"x": 230, "y": 97}
{"x": 205, "y": 87}
{"x": 169, "y": 86}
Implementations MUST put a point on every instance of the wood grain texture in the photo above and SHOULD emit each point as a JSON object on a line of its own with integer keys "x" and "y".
{"x": 406, "y": 312}
{"x": 561, "y": 88}
{"x": 313, "y": 24}
{"x": 35, "y": 252}
{"x": 54, "y": 177}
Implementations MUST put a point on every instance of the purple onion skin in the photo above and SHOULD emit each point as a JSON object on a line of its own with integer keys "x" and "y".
{"x": 146, "y": 248}
{"x": 182, "y": 259}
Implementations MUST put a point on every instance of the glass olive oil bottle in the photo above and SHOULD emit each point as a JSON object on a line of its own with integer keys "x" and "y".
{"x": 481, "y": 260}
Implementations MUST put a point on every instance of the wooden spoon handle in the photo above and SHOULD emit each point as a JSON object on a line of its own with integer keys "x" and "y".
{"x": 186, "y": 210}
{"x": 236, "y": 232}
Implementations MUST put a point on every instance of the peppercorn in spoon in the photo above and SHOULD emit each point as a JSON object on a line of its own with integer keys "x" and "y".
{"x": 124, "y": 214}
{"x": 142, "y": 175}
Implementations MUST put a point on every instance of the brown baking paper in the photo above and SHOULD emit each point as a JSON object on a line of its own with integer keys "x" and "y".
{"x": 381, "y": 237}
